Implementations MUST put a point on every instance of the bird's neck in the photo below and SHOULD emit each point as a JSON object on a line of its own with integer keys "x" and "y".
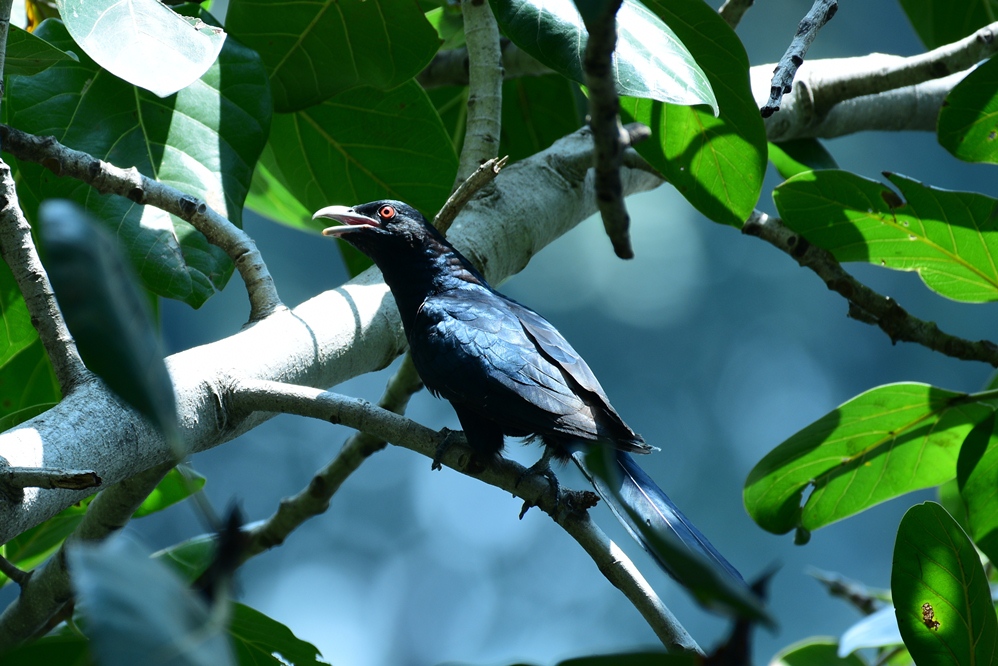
{"x": 430, "y": 269}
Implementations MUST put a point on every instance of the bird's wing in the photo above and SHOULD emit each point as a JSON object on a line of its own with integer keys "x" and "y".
{"x": 476, "y": 352}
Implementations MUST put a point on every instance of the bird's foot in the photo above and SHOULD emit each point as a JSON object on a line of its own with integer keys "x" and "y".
{"x": 543, "y": 469}
{"x": 451, "y": 437}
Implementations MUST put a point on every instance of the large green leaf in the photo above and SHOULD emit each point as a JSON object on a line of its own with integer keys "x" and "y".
{"x": 536, "y": 112}
{"x": 977, "y": 476}
{"x": 143, "y": 42}
{"x": 967, "y": 120}
{"x": 939, "y": 22}
{"x": 65, "y": 649}
{"x": 259, "y": 640}
{"x": 717, "y": 163}
{"x": 650, "y": 59}
{"x": 363, "y": 145}
{"x": 881, "y": 444}
{"x": 941, "y": 593}
{"x": 29, "y": 54}
{"x": 204, "y": 140}
{"x": 799, "y": 155}
{"x": 314, "y": 49}
{"x": 947, "y": 237}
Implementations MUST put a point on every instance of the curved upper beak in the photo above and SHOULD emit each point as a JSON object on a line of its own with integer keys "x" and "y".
{"x": 348, "y": 219}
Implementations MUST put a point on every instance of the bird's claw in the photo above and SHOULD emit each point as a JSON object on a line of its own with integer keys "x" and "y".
{"x": 450, "y": 438}
{"x": 543, "y": 469}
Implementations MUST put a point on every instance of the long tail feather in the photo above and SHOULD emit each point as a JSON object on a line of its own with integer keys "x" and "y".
{"x": 638, "y": 492}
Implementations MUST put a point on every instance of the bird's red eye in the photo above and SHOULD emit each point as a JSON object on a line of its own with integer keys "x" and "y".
{"x": 386, "y": 212}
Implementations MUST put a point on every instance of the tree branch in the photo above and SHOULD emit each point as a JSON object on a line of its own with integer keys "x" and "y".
{"x": 479, "y": 178}
{"x": 485, "y": 76}
{"x": 18, "y": 250}
{"x": 109, "y": 179}
{"x": 450, "y": 68}
{"x": 609, "y": 136}
{"x": 251, "y": 395}
{"x": 334, "y": 336}
{"x": 865, "y": 304}
{"x": 48, "y": 589}
{"x": 821, "y": 12}
{"x": 733, "y": 10}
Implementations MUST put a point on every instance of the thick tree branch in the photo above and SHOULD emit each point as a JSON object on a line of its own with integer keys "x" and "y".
{"x": 18, "y": 250}
{"x": 109, "y": 179}
{"x": 821, "y": 12}
{"x": 485, "y": 76}
{"x": 865, "y": 304}
{"x": 336, "y": 335}
{"x": 48, "y": 588}
{"x": 506, "y": 475}
{"x": 733, "y": 10}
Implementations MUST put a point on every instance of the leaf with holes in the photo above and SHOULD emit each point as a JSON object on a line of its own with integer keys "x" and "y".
{"x": 947, "y": 237}
{"x": 204, "y": 141}
{"x": 941, "y": 594}
{"x": 883, "y": 443}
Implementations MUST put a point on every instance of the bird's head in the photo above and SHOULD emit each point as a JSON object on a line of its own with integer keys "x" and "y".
{"x": 370, "y": 225}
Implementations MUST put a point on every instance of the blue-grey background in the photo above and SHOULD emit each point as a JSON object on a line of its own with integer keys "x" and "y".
{"x": 713, "y": 345}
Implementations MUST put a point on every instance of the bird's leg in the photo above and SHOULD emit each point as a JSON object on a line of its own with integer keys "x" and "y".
{"x": 450, "y": 438}
{"x": 543, "y": 468}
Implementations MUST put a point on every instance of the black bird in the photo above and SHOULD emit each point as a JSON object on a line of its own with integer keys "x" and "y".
{"x": 504, "y": 368}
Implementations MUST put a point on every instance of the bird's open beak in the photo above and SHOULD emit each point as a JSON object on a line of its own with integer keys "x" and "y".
{"x": 349, "y": 220}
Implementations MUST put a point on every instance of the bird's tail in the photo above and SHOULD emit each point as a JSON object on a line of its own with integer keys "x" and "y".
{"x": 645, "y": 500}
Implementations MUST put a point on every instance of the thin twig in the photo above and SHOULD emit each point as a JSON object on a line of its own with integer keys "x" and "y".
{"x": 48, "y": 590}
{"x": 478, "y": 179}
{"x": 604, "y": 120}
{"x": 19, "y": 576}
{"x": 865, "y": 304}
{"x": 562, "y": 505}
{"x": 48, "y": 478}
{"x": 17, "y": 248}
{"x": 733, "y": 10}
{"x": 783, "y": 76}
{"x": 481, "y": 139}
{"x": 109, "y": 179}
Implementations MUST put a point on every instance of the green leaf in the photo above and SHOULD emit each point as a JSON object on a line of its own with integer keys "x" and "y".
{"x": 449, "y": 24}
{"x": 107, "y": 315}
{"x": 143, "y": 42}
{"x": 536, "y": 112}
{"x": 941, "y": 594}
{"x": 977, "y": 476}
{"x": 650, "y": 59}
{"x": 716, "y": 163}
{"x": 175, "y": 487}
{"x": 317, "y": 48}
{"x": 946, "y": 237}
{"x": 28, "y": 54}
{"x": 799, "y": 155}
{"x": 190, "y": 558}
{"x": 136, "y": 607}
{"x": 451, "y": 103}
{"x": 881, "y": 444}
{"x": 363, "y": 145}
{"x": 27, "y": 383}
{"x": 68, "y": 649}
{"x": 269, "y": 197}
{"x": 948, "y": 494}
{"x": 967, "y": 125}
{"x": 258, "y": 638}
{"x": 940, "y": 22}
{"x": 816, "y": 651}
{"x": 204, "y": 140}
